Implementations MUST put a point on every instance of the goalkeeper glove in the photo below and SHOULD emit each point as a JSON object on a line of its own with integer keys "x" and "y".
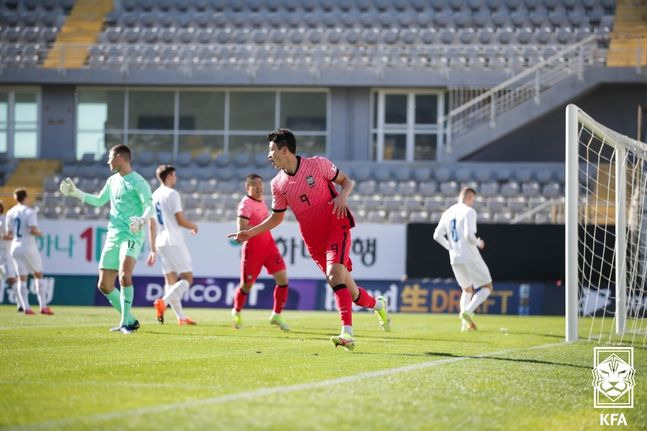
{"x": 136, "y": 224}
{"x": 68, "y": 188}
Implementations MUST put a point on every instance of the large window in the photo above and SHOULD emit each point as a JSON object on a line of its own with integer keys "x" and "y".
{"x": 19, "y": 123}
{"x": 99, "y": 121}
{"x": 405, "y": 125}
{"x": 198, "y": 120}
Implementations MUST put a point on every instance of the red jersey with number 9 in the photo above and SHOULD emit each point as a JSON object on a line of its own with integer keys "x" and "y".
{"x": 309, "y": 193}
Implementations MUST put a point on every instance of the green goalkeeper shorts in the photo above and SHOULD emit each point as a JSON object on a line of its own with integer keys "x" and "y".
{"x": 117, "y": 248}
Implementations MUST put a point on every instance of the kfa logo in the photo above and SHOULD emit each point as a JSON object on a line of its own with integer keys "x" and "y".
{"x": 310, "y": 180}
{"x": 613, "y": 377}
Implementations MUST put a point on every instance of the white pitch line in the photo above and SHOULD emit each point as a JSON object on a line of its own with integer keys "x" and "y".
{"x": 263, "y": 392}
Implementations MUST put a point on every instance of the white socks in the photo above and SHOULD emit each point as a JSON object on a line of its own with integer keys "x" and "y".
{"x": 465, "y": 299}
{"x": 40, "y": 292}
{"x": 173, "y": 297}
{"x": 347, "y": 329}
{"x": 21, "y": 289}
{"x": 477, "y": 299}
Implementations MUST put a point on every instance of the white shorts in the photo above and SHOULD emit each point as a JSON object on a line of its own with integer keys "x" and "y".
{"x": 7, "y": 270}
{"x": 175, "y": 258}
{"x": 26, "y": 260}
{"x": 473, "y": 274}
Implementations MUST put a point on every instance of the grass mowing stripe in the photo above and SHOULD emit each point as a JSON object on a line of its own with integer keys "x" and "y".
{"x": 248, "y": 395}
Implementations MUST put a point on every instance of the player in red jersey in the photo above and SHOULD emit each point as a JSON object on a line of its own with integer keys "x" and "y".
{"x": 307, "y": 186}
{"x": 259, "y": 252}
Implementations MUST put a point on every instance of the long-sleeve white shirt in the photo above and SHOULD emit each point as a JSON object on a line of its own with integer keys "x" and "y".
{"x": 456, "y": 231}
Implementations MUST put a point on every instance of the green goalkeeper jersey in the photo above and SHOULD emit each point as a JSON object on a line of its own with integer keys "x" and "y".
{"x": 129, "y": 196}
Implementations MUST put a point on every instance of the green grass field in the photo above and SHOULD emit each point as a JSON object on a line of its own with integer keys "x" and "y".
{"x": 68, "y": 372}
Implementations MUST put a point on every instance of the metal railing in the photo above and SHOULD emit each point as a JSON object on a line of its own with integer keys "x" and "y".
{"x": 527, "y": 85}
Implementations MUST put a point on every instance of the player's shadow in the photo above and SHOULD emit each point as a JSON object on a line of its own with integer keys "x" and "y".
{"x": 498, "y": 358}
{"x": 393, "y": 338}
{"x": 537, "y": 334}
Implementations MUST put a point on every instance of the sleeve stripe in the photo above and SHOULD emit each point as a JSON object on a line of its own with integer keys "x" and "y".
{"x": 274, "y": 210}
{"x": 242, "y": 216}
{"x": 336, "y": 174}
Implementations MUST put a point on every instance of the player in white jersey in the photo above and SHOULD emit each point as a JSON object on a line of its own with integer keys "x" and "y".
{"x": 169, "y": 243}
{"x": 22, "y": 227}
{"x": 456, "y": 231}
{"x": 7, "y": 270}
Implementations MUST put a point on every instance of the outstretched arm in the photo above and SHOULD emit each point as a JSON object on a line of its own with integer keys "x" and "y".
{"x": 272, "y": 221}
{"x": 68, "y": 188}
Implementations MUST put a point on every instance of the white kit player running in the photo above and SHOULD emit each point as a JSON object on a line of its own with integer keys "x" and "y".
{"x": 22, "y": 226}
{"x": 456, "y": 231}
{"x": 7, "y": 269}
{"x": 169, "y": 243}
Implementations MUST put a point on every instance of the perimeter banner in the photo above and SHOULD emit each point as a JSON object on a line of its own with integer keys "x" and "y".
{"x": 378, "y": 251}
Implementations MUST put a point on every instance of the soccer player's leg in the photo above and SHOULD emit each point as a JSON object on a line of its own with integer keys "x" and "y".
{"x": 462, "y": 275}
{"x": 22, "y": 272}
{"x": 108, "y": 271}
{"x": 480, "y": 275}
{"x": 129, "y": 249}
{"x": 173, "y": 264}
{"x": 36, "y": 263}
{"x": 336, "y": 276}
{"x": 182, "y": 266}
{"x": 250, "y": 267}
{"x": 275, "y": 266}
{"x": 360, "y": 296}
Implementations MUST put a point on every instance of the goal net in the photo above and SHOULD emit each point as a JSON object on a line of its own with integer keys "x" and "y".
{"x": 606, "y": 233}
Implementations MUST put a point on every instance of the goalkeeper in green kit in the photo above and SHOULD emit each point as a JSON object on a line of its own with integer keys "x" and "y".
{"x": 130, "y": 208}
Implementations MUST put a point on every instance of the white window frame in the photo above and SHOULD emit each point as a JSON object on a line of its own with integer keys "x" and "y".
{"x": 410, "y": 129}
{"x": 11, "y": 117}
{"x": 226, "y": 132}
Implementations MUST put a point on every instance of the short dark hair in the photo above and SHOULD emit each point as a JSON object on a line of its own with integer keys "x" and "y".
{"x": 1, "y": 207}
{"x": 20, "y": 195}
{"x": 283, "y": 138}
{"x": 466, "y": 190}
{"x": 164, "y": 171}
{"x": 251, "y": 177}
{"x": 122, "y": 150}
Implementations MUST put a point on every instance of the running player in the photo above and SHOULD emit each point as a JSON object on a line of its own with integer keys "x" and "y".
{"x": 7, "y": 269}
{"x": 22, "y": 227}
{"x": 130, "y": 208}
{"x": 170, "y": 245}
{"x": 456, "y": 231}
{"x": 259, "y": 252}
{"x": 306, "y": 185}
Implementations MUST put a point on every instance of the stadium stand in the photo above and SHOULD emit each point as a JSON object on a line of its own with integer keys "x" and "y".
{"x": 478, "y": 34}
{"x": 381, "y": 195}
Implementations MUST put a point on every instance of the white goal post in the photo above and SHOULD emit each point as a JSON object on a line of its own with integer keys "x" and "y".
{"x": 606, "y": 233}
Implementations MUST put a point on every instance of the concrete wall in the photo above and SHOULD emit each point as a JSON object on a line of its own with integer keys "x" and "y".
{"x": 349, "y": 123}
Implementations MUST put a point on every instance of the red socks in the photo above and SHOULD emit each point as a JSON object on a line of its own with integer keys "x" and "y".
{"x": 239, "y": 299}
{"x": 364, "y": 299}
{"x": 280, "y": 297}
{"x": 344, "y": 304}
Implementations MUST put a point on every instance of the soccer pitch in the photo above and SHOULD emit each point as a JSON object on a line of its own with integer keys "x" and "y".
{"x": 68, "y": 372}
